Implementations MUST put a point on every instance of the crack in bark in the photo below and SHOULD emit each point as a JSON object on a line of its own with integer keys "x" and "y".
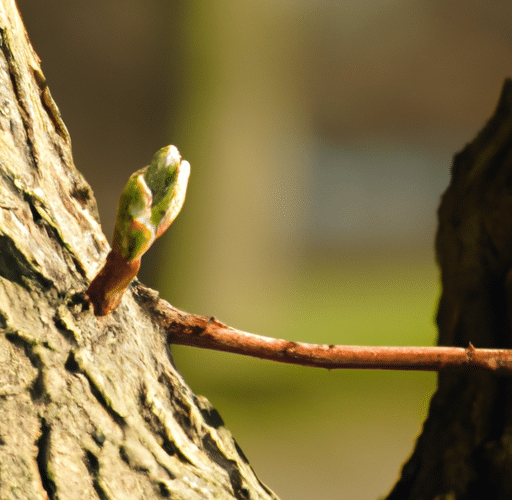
{"x": 38, "y": 386}
{"x": 50, "y": 106}
{"x": 15, "y": 267}
{"x": 43, "y": 456}
{"x": 93, "y": 467}
{"x": 230, "y": 466}
{"x": 42, "y": 219}
{"x": 20, "y": 101}
{"x": 98, "y": 392}
{"x": 158, "y": 428}
{"x": 211, "y": 416}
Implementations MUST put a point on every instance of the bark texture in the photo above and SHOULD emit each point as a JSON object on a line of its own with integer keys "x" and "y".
{"x": 89, "y": 408}
{"x": 465, "y": 449}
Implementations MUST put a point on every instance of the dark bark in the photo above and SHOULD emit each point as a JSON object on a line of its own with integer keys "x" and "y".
{"x": 89, "y": 408}
{"x": 465, "y": 449}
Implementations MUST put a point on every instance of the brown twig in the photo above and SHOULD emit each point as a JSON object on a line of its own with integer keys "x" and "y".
{"x": 209, "y": 333}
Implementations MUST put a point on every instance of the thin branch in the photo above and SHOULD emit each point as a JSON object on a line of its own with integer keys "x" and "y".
{"x": 209, "y": 333}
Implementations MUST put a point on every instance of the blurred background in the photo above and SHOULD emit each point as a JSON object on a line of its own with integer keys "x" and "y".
{"x": 320, "y": 136}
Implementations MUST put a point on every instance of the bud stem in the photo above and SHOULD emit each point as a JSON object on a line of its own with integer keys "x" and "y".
{"x": 107, "y": 288}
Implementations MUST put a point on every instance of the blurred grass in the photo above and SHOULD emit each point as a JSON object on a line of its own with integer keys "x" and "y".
{"x": 313, "y": 433}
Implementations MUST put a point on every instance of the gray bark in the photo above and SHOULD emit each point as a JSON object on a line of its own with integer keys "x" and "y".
{"x": 89, "y": 407}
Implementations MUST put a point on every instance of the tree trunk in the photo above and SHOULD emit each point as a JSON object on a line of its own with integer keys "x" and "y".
{"x": 89, "y": 408}
{"x": 465, "y": 450}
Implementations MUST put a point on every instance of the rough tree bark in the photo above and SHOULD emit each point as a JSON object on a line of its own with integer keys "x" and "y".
{"x": 89, "y": 408}
{"x": 465, "y": 449}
